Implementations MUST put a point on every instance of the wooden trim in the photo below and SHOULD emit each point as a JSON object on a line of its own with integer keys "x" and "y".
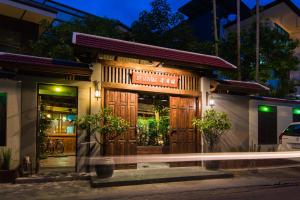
{"x": 144, "y": 88}
{"x": 150, "y": 68}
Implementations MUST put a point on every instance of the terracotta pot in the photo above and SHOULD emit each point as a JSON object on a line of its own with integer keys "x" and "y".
{"x": 8, "y": 176}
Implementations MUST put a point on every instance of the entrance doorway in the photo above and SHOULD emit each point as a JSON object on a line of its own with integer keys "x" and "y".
{"x": 57, "y": 111}
{"x": 159, "y": 123}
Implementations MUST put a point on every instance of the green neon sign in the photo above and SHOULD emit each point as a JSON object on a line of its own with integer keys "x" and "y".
{"x": 296, "y": 111}
{"x": 265, "y": 108}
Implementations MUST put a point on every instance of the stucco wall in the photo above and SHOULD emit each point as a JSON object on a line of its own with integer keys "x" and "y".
{"x": 236, "y": 107}
{"x": 13, "y": 131}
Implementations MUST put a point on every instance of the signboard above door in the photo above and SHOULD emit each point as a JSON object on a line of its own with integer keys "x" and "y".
{"x": 155, "y": 79}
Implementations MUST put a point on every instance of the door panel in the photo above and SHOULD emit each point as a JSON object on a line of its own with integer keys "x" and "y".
{"x": 125, "y": 105}
{"x": 183, "y": 135}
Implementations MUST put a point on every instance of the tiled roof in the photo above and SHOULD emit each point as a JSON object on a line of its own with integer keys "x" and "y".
{"x": 53, "y": 64}
{"x": 242, "y": 86}
{"x": 182, "y": 58}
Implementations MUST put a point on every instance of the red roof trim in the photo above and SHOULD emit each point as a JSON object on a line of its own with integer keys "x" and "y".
{"x": 34, "y": 60}
{"x": 184, "y": 58}
{"x": 276, "y": 100}
{"x": 242, "y": 86}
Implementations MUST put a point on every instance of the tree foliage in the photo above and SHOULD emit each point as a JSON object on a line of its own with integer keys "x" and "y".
{"x": 277, "y": 56}
{"x": 56, "y": 40}
{"x": 213, "y": 125}
{"x": 160, "y": 26}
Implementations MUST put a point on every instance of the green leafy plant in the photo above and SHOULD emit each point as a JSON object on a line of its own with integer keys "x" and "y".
{"x": 5, "y": 159}
{"x": 142, "y": 131}
{"x": 213, "y": 125}
{"x": 44, "y": 124}
{"x": 103, "y": 123}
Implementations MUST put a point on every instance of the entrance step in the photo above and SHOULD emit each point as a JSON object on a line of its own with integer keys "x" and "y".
{"x": 162, "y": 175}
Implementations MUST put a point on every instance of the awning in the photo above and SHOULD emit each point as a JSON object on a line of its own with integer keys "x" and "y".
{"x": 241, "y": 86}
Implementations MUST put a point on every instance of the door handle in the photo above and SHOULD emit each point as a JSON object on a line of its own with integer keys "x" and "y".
{"x": 173, "y": 131}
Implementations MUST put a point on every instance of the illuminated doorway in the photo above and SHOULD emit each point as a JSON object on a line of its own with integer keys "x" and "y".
{"x": 57, "y": 111}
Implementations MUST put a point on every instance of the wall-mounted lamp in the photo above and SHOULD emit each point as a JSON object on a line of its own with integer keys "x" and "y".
{"x": 97, "y": 91}
{"x": 211, "y": 100}
{"x": 211, "y": 103}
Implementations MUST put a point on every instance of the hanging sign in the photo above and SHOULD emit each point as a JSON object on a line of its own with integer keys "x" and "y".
{"x": 155, "y": 79}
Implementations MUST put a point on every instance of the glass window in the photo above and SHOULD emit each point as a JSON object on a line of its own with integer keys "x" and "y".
{"x": 292, "y": 130}
{"x": 3, "y": 111}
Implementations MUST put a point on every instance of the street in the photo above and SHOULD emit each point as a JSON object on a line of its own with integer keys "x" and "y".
{"x": 264, "y": 184}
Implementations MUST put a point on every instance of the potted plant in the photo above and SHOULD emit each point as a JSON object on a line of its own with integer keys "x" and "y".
{"x": 6, "y": 174}
{"x": 100, "y": 125}
{"x": 212, "y": 125}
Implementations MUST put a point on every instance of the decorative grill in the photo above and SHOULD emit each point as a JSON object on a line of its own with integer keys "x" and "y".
{"x": 122, "y": 75}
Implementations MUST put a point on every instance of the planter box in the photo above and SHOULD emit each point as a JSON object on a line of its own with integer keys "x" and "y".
{"x": 146, "y": 150}
{"x": 8, "y": 176}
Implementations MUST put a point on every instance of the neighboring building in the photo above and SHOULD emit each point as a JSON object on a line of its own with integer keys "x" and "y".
{"x": 200, "y": 16}
{"x": 282, "y": 15}
{"x": 20, "y": 20}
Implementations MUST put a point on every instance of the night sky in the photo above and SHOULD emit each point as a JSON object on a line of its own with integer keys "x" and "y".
{"x": 128, "y": 10}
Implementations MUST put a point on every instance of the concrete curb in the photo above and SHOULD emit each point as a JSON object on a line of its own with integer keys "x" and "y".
{"x": 100, "y": 183}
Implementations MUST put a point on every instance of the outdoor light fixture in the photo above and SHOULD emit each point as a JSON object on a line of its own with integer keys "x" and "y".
{"x": 265, "y": 108}
{"x": 296, "y": 111}
{"x": 57, "y": 89}
{"x": 211, "y": 103}
{"x": 97, "y": 91}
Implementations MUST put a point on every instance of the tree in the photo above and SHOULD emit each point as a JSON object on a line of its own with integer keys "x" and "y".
{"x": 152, "y": 25}
{"x": 212, "y": 125}
{"x": 238, "y": 7}
{"x": 215, "y": 28}
{"x": 56, "y": 40}
{"x": 161, "y": 27}
{"x": 257, "y": 41}
{"x": 277, "y": 57}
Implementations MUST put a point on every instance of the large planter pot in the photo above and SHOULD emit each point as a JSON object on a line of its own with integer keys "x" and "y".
{"x": 105, "y": 169}
{"x": 8, "y": 176}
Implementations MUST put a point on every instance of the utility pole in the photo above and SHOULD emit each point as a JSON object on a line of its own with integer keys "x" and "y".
{"x": 257, "y": 41}
{"x": 238, "y": 7}
{"x": 216, "y": 28}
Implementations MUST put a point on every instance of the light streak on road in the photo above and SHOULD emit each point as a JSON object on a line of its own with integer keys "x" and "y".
{"x": 193, "y": 157}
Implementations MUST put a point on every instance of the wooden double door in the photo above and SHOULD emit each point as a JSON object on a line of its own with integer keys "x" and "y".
{"x": 183, "y": 137}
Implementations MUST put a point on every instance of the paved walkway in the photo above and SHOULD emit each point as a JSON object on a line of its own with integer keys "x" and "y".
{"x": 245, "y": 180}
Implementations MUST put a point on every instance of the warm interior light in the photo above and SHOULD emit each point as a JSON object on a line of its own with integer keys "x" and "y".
{"x": 48, "y": 116}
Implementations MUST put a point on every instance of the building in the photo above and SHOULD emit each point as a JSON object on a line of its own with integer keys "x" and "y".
{"x": 21, "y": 19}
{"x": 200, "y": 16}
{"x": 282, "y": 15}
